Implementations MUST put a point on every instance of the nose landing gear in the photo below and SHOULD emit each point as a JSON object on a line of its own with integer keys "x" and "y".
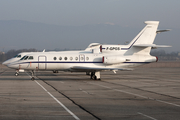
{"x": 32, "y": 76}
{"x": 16, "y": 73}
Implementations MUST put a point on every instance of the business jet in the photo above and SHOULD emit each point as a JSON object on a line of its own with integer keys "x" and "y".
{"x": 20, "y": 55}
{"x": 103, "y": 57}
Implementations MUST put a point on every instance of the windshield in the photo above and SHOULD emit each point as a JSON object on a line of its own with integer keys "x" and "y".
{"x": 26, "y": 58}
{"x": 18, "y": 56}
{"x": 15, "y": 56}
{"x": 22, "y": 58}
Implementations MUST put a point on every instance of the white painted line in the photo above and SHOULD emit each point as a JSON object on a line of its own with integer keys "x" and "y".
{"x": 27, "y": 74}
{"x": 168, "y": 103}
{"x": 147, "y": 116}
{"x": 84, "y": 91}
{"x": 130, "y": 93}
{"x": 138, "y": 95}
{"x": 101, "y": 85}
{"x": 58, "y": 102}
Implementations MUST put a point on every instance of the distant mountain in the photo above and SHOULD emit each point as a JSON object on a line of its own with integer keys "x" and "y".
{"x": 16, "y": 34}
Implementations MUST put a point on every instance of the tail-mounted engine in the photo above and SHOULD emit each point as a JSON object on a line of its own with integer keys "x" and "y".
{"x": 113, "y": 59}
{"x": 109, "y": 60}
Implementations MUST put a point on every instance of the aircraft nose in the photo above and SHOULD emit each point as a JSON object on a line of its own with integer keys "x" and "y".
{"x": 5, "y": 63}
{"x": 14, "y": 66}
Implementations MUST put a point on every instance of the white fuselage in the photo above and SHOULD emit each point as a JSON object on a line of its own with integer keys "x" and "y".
{"x": 65, "y": 61}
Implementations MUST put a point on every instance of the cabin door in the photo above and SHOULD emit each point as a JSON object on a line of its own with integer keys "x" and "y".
{"x": 42, "y": 62}
{"x": 81, "y": 58}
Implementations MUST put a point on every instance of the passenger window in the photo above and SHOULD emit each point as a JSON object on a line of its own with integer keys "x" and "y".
{"x": 55, "y": 58}
{"x": 71, "y": 58}
{"x": 60, "y": 58}
{"x": 65, "y": 58}
{"x": 82, "y": 58}
{"x": 87, "y": 58}
{"x": 30, "y": 57}
{"x": 76, "y": 58}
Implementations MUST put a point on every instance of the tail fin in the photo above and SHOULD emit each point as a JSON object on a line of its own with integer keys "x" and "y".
{"x": 144, "y": 38}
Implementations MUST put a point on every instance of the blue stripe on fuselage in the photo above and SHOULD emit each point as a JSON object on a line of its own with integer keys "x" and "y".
{"x": 74, "y": 62}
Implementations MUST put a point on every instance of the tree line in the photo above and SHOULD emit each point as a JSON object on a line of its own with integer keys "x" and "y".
{"x": 163, "y": 56}
{"x": 12, "y": 53}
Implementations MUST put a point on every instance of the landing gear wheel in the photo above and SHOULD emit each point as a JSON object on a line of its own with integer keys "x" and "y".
{"x": 55, "y": 71}
{"x": 92, "y": 75}
{"x": 16, "y": 74}
{"x": 95, "y": 75}
{"x": 32, "y": 78}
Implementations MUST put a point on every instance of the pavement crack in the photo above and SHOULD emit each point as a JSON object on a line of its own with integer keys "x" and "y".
{"x": 81, "y": 107}
{"x": 143, "y": 90}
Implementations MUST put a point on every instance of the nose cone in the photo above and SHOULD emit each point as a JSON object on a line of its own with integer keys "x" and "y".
{"x": 7, "y": 62}
{"x": 14, "y": 66}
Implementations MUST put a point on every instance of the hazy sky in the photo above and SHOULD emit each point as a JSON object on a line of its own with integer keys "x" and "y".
{"x": 131, "y": 13}
{"x": 82, "y": 12}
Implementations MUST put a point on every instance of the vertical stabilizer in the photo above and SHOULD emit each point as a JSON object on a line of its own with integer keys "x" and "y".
{"x": 145, "y": 37}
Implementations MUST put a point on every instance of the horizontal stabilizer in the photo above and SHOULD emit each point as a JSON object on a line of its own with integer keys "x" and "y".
{"x": 90, "y": 69}
{"x": 151, "y": 45}
{"x": 159, "y": 31}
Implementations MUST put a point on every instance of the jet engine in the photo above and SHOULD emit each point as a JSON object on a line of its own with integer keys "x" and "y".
{"x": 113, "y": 59}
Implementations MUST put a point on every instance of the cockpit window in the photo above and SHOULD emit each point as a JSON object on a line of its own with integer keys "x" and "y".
{"x": 26, "y": 58}
{"x": 15, "y": 56}
{"x": 18, "y": 56}
{"x": 30, "y": 58}
{"x": 22, "y": 58}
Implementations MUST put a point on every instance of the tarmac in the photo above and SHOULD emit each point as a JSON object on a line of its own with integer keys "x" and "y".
{"x": 142, "y": 94}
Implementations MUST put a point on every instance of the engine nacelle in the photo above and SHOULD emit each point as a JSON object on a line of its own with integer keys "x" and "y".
{"x": 113, "y": 59}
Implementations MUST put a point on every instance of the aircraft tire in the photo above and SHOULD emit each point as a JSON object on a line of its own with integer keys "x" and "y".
{"x": 16, "y": 74}
{"x": 55, "y": 71}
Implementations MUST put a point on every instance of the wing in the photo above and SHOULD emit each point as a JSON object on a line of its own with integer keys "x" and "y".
{"x": 93, "y": 69}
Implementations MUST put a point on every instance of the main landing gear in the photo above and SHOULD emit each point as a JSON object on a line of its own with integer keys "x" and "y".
{"x": 55, "y": 71}
{"x": 95, "y": 75}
